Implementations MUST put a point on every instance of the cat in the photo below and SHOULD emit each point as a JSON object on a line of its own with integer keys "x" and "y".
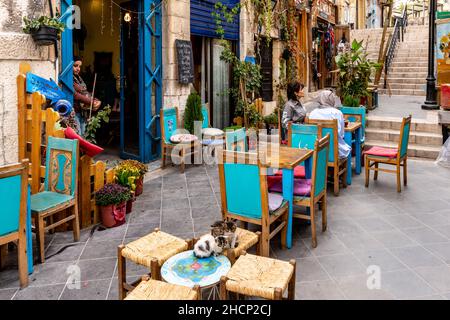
{"x": 225, "y": 234}
{"x": 207, "y": 246}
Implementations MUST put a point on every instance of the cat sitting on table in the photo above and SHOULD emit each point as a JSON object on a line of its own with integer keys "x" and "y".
{"x": 223, "y": 236}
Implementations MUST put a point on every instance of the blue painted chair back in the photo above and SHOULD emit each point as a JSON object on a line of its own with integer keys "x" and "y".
{"x": 169, "y": 121}
{"x": 243, "y": 190}
{"x": 329, "y": 127}
{"x": 404, "y": 136}
{"x": 357, "y": 111}
{"x": 320, "y": 167}
{"x": 303, "y": 135}
{"x": 205, "y": 114}
{"x": 236, "y": 140}
{"x": 61, "y": 166}
{"x": 11, "y": 191}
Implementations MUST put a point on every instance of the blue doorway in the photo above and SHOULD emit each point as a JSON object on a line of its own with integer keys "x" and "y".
{"x": 139, "y": 59}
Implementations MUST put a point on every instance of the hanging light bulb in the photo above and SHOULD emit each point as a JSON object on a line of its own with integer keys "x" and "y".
{"x": 127, "y": 17}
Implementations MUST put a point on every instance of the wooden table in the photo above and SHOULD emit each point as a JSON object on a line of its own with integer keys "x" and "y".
{"x": 287, "y": 158}
{"x": 353, "y": 128}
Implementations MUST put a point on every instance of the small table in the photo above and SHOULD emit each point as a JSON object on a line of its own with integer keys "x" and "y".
{"x": 353, "y": 128}
{"x": 288, "y": 158}
{"x": 187, "y": 270}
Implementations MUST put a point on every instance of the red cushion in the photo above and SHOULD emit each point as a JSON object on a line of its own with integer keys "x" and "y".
{"x": 382, "y": 152}
{"x": 271, "y": 180}
{"x": 299, "y": 172}
{"x": 90, "y": 149}
{"x": 302, "y": 187}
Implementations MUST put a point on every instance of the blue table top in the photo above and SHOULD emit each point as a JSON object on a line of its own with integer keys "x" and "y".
{"x": 187, "y": 270}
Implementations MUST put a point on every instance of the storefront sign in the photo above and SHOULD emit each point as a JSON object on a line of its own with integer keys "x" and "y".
{"x": 46, "y": 87}
{"x": 185, "y": 61}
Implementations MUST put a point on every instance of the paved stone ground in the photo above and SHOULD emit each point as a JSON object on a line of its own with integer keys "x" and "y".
{"x": 407, "y": 235}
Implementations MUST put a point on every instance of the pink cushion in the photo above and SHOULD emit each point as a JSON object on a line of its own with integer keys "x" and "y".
{"x": 275, "y": 201}
{"x": 302, "y": 187}
{"x": 89, "y": 148}
{"x": 382, "y": 152}
{"x": 271, "y": 180}
{"x": 299, "y": 172}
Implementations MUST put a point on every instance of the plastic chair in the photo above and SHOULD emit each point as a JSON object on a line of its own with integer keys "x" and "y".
{"x": 245, "y": 196}
{"x": 13, "y": 217}
{"x": 339, "y": 165}
{"x": 169, "y": 121}
{"x": 391, "y": 156}
{"x": 60, "y": 190}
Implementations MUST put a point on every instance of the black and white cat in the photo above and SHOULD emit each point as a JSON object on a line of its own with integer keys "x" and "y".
{"x": 223, "y": 236}
{"x": 207, "y": 246}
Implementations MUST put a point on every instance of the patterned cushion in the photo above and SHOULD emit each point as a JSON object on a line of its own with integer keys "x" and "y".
{"x": 382, "y": 152}
{"x": 275, "y": 201}
{"x": 212, "y": 132}
{"x": 302, "y": 187}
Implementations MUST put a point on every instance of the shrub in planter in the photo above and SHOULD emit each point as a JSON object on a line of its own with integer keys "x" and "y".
{"x": 112, "y": 199}
{"x": 193, "y": 111}
{"x": 44, "y": 30}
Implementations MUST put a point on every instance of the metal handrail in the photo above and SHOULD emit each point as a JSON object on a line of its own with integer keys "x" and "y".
{"x": 397, "y": 35}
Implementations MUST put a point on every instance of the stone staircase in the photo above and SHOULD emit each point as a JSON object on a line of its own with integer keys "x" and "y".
{"x": 408, "y": 71}
{"x": 425, "y": 139}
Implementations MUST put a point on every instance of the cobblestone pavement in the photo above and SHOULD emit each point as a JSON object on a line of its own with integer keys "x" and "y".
{"x": 407, "y": 235}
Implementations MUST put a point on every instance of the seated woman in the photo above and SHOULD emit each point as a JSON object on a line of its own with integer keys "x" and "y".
{"x": 293, "y": 110}
{"x": 327, "y": 110}
{"x": 82, "y": 99}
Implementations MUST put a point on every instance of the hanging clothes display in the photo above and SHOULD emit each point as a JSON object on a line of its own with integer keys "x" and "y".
{"x": 329, "y": 47}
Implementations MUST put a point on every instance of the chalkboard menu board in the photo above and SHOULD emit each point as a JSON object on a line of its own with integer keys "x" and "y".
{"x": 185, "y": 61}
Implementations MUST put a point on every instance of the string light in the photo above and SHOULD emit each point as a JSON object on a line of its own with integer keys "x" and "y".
{"x": 103, "y": 16}
{"x": 127, "y": 17}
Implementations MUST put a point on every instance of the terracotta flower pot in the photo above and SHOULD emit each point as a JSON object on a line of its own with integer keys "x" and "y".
{"x": 129, "y": 206}
{"x": 139, "y": 186}
{"x": 113, "y": 215}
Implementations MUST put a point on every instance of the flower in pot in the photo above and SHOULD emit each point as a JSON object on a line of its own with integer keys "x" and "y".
{"x": 142, "y": 168}
{"x": 112, "y": 199}
{"x": 44, "y": 30}
{"x": 127, "y": 176}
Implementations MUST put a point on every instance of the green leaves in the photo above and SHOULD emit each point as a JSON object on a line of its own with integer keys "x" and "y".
{"x": 193, "y": 111}
{"x": 95, "y": 123}
{"x": 32, "y": 25}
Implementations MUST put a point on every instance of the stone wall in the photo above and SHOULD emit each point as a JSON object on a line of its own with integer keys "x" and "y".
{"x": 176, "y": 25}
{"x": 16, "y": 47}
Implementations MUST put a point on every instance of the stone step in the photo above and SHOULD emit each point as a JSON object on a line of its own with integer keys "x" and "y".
{"x": 414, "y": 150}
{"x": 421, "y": 70}
{"x": 423, "y": 138}
{"x": 407, "y": 75}
{"x": 406, "y": 86}
{"x": 406, "y": 81}
{"x": 391, "y": 123}
{"x": 414, "y": 61}
{"x": 406, "y": 64}
{"x": 402, "y": 92}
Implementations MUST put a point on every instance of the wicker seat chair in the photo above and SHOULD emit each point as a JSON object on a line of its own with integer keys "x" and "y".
{"x": 149, "y": 289}
{"x": 150, "y": 251}
{"x": 261, "y": 277}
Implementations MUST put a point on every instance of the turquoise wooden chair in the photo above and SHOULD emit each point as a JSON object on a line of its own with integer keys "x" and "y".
{"x": 214, "y": 136}
{"x": 13, "y": 215}
{"x": 169, "y": 122}
{"x": 397, "y": 157}
{"x": 339, "y": 165}
{"x": 245, "y": 197}
{"x": 60, "y": 190}
{"x": 318, "y": 188}
{"x": 356, "y": 115}
{"x": 236, "y": 140}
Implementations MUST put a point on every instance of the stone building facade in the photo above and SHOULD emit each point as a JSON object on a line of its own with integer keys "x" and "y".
{"x": 17, "y": 46}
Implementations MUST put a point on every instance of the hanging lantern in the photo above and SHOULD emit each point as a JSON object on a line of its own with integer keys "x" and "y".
{"x": 127, "y": 17}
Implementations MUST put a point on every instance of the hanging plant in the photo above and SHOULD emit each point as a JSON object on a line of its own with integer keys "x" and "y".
{"x": 44, "y": 30}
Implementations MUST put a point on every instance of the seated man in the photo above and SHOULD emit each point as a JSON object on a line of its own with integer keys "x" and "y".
{"x": 327, "y": 110}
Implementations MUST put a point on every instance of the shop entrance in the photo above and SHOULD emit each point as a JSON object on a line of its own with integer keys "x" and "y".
{"x": 120, "y": 43}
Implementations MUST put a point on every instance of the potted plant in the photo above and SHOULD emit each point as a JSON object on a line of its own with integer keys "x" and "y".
{"x": 127, "y": 175}
{"x": 142, "y": 168}
{"x": 44, "y": 30}
{"x": 112, "y": 199}
{"x": 193, "y": 111}
{"x": 271, "y": 121}
{"x": 355, "y": 71}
